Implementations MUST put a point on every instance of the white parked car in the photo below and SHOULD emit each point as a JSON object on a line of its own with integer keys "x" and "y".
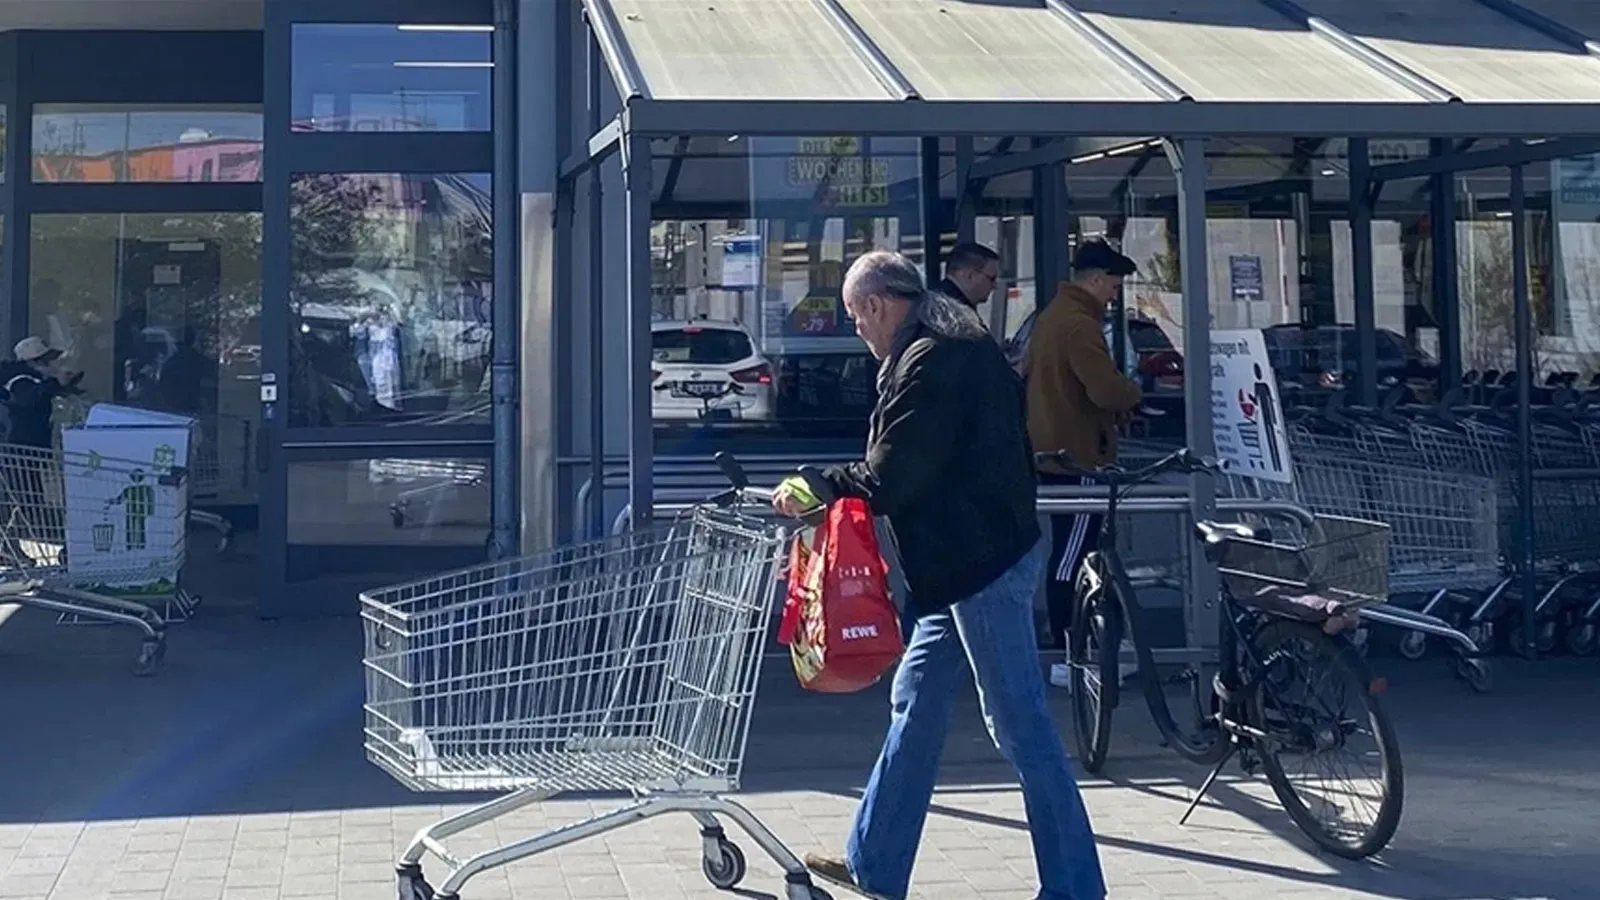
{"x": 706, "y": 370}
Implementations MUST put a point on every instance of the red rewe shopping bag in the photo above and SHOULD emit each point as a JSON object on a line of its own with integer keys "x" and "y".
{"x": 841, "y": 627}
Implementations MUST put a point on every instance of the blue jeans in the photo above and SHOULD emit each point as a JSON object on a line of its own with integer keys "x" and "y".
{"x": 994, "y": 630}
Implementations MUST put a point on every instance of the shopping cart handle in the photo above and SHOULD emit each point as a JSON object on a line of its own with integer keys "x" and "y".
{"x": 732, "y": 470}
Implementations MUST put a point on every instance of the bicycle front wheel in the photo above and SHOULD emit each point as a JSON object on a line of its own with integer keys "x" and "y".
{"x": 1093, "y": 643}
{"x": 1330, "y": 751}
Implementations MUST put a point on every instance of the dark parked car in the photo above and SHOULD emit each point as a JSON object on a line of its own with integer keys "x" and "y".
{"x": 1327, "y": 356}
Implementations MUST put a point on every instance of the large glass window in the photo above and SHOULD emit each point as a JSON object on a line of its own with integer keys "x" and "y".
{"x": 1485, "y": 277}
{"x": 751, "y": 335}
{"x": 160, "y": 143}
{"x": 390, "y": 299}
{"x": 391, "y": 77}
{"x": 160, "y": 311}
{"x": 1279, "y": 241}
{"x": 1573, "y": 331}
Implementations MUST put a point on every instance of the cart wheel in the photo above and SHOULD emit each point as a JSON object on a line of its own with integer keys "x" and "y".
{"x": 1476, "y": 673}
{"x": 1413, "y": 646}
{"x": 1580, "y": 640}
{"x": 727, "y": 870}
{"x": 151, "y": 653}
{"x": 1547, "y": 638}
{"x": 412, "y": 886}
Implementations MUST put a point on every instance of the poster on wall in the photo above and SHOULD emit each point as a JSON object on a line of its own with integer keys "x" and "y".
{"x": 124, "y": 474}
{"x": 741, "y": 261}
{"x": 1246, "y": 411}
{"x": 1244, "y": 278}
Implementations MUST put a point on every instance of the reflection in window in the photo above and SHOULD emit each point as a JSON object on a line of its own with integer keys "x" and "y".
{"x": 754, "y": 302}
{"x": 160, "y": 311}
{"x": 1278, "y": 235}
{"x": 1559, "y": 223}
{"x": 390, "y": 299}
{"x": 391, "y": 77}
{"x": 103, "y": 144}
{"x": 379, "y": 521}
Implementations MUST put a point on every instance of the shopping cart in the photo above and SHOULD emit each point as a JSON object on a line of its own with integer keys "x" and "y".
{"x": 221, "y": 466}
{"x": 79, "y": 534}
{"x": 440, "y": 479}
{"x": 625, "y": 664}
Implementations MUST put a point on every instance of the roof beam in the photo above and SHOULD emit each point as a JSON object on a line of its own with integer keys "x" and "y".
{"x": 602, "y": 19}
{"x": 602, "y": 144}
{"x": 1543, "y": 24}
{"x": 1050, "y": 118}
{"x": 1510, "y": 155}
{"x": 869, "y": 52}
{"x": 1363, "y": 52}
{"x": 1130, "y": 62}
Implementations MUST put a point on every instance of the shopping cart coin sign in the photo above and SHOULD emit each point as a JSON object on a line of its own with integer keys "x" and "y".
{"x": 1246, "y": 412}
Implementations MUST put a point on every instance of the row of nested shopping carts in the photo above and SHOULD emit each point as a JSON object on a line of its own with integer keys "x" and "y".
{"x": 100, "y": 540}
{"x": 1446, "y": 477}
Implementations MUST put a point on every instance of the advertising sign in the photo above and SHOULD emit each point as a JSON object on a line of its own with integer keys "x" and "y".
{"x": 127, "y": 503}
{"x": 1246, "y": 411}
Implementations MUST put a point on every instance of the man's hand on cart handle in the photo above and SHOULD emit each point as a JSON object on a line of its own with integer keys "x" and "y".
{"x": 794, "y": 498}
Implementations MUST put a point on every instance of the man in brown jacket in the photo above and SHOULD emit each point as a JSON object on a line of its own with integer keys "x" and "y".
{"x": 1077, "y": 397}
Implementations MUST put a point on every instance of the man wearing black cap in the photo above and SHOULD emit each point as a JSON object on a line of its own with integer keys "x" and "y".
{"x": 1077, "y": 397}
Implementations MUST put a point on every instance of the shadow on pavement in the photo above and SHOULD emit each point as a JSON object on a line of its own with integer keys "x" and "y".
{"x": 253, "y": 717}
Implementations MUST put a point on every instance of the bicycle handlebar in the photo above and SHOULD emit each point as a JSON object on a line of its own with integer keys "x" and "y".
{"x": 1182, "y": 461}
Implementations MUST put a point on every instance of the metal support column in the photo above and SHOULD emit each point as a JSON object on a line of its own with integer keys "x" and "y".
{"x": 1522, "y": 311}
{"x": 503, "y": 388}
{"x": 1049, "y": 231}
{"x": 1189, "y": 163}
{"x": 597, "y": 306}
{"x": 966, "y": 195}
{"x": 1446, "y": 295}
{"x": 641, "y": 430}
{"x": 1361, "y": 273}
{"x": 932, "y": 222}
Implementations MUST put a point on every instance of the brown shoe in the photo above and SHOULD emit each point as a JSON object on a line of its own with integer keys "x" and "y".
{"x": 836, "y": 872}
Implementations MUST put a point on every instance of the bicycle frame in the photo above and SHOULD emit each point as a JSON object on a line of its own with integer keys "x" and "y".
{"x": 1225, "y": 684}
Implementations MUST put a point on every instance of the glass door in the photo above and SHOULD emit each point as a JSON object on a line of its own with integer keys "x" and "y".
{"x": 375, "y": 391}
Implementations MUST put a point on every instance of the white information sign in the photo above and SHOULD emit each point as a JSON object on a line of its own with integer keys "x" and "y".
{"x": 1246, "y": 413}
{"x": 127, "y": 499}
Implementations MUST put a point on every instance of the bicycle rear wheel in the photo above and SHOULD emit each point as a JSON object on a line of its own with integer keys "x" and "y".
{"x": 1093, "y": 643}
{"x": 1317, "y": 702}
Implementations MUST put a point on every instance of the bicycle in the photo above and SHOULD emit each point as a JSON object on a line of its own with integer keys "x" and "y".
{"x": 1284, "y": 608}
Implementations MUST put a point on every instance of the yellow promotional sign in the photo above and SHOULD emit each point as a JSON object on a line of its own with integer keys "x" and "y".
{"x": 848, "y": 177}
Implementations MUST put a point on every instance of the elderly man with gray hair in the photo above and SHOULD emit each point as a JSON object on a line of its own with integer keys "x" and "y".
{"x": 949, "y": 464}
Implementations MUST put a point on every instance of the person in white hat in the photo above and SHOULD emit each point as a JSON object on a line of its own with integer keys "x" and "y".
{"x": 31, "y": 384}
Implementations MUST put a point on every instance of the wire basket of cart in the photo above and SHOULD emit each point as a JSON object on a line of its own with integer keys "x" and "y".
{"x": 92, "y": 539}
{"x": 628, "y": 664}
{"x": 222, "y": 471}
{"x": 1444, "y": 538}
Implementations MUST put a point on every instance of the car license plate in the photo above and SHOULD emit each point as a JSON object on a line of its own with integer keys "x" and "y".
{"x": 699, "y": 389}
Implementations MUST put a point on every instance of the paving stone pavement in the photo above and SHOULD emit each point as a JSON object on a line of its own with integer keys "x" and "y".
{"x": 238, "y": 774}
